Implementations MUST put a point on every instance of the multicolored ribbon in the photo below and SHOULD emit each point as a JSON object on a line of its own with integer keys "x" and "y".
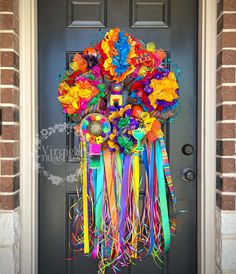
{"x": 112, "y": 225}
{"x": 85, "y": 201}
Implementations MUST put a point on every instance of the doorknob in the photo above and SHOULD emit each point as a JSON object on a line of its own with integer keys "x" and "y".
{"x": 188, "y": 174}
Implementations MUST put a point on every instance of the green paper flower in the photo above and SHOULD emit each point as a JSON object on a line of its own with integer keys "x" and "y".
{"x": 126, "y": 143}
{"x": 123, "y": 122}
{"x": 90, "y": 76}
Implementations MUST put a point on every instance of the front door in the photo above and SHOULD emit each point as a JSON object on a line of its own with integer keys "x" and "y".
{"x": 66, "y": 26}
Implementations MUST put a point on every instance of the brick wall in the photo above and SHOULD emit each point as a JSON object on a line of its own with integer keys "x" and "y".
{"x": 226, "y": 136}
{"x": 9, "y": 137}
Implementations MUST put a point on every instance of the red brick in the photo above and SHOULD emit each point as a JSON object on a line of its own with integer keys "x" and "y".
{"x": 10, "y": 6}
{"x": 225, "y": 130}
{"x": 10, "y": 114}
{"x": 226, "y": 94}
{"x": 229, "y": 57}
{"x": 229, "y": 5}
{"x": 225, "y": 75}
{"x": 229, "y": 21}
{"x": 225, "y": 165}
{"x": 9, "y": 41}
{"x": 9, "y": 22}
{"x": 220, "y": 24}
{"x": 226, "y": 57}
{"x": 226, "y": 21}
{"x": 228, "y": 39}
{"x": 9, "y": 184}
{"x": 9, "y": 202}
{"x": 10, "y": 132}
{"x": 9, "y": 59}
{"x": 10, "y": 167}
{"x": 9, "y": 77}
{"x": 10, "y": 150}
{"x": 229, "y": 184}
{"x": 228, "y": 202}
{"x": 226, "y": 112}
{"x": 225, "y": 202}
{"x": 226, "y": 148}
{"x": 10, "y": 95}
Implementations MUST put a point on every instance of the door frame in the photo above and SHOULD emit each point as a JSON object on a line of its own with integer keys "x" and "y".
{"x": 206, "y": 136}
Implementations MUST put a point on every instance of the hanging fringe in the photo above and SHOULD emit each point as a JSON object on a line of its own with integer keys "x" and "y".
{"x": 110, "y": 224}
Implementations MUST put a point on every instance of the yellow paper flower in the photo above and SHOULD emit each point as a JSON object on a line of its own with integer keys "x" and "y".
{"x": 112, "y": 136}
{"x": 113, "y": 115}
{"x": 151, "y": 47}
{"x": 74, "y": 94}
{"x": 81, "y": 92}
{"x": 147, "y": 121}
{"x": 112, "y": 144}
{"x": 144, "y": 71}
{"x": 74, "y": 66}
{"x": 164, "y": 89}
{"x": 99, "y": 140}
{"x": 122, "y": 110}
{"x": 63, "y": 86}
{"x": 71, "y": 98}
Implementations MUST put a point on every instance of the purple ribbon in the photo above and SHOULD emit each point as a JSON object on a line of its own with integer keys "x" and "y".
{"x": 124, "y": 191}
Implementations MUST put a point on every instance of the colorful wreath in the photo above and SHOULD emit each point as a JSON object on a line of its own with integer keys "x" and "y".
{"x": 109, "y": 225}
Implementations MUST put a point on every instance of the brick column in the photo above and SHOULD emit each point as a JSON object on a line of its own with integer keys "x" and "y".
{"x": 226, "y": 136}
{"x": 9, "y": 137}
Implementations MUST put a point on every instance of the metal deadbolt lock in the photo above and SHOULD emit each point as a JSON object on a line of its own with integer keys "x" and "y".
{"x": 188, "y": 174}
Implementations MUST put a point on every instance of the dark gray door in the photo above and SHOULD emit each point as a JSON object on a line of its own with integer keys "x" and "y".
{"x": 66, "y": 26}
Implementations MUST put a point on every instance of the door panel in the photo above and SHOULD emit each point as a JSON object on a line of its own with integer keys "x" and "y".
{"x": 66, "y": 26}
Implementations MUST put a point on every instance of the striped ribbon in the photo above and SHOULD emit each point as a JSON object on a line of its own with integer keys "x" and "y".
{"x": 168, "y": 177}
{"x": 162, "y": 197}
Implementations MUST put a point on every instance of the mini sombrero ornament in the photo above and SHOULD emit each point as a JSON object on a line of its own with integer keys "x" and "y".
{"x": 110, "y": 225}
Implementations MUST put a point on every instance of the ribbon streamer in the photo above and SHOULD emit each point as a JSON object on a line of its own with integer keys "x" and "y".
{"x": 85, "y": 201}
{"x": 121, "y": 231}
{"x": 163, "y": 198}
{"x": 136, "y": 178}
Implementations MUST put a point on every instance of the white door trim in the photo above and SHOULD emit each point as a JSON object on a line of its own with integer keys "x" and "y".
{"x": 206, "y": 136}
{"x": 28, "y": 133}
